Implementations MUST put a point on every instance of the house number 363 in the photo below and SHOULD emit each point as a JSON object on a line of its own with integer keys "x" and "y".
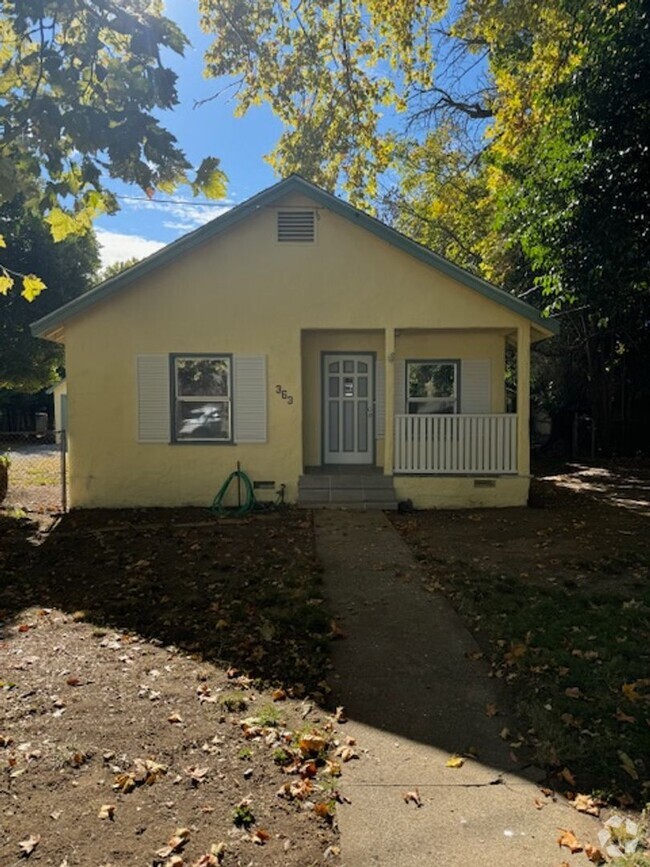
{"x": 284, "y": 394}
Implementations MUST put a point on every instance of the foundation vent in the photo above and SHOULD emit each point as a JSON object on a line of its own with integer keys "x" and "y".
{"x": 297, "y": 226}
{"x": 485, "y": 483}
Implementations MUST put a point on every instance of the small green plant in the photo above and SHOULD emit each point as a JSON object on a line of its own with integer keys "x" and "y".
{"x": 269, "y": 716}
{"x": 233, "y": 701}
{"x": 281, "y": 756}
{"x": 245, "y": 754}
{"x": 242, "y": 815}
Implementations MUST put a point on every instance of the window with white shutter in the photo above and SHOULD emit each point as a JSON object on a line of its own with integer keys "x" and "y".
{"x": 201, "y": 398}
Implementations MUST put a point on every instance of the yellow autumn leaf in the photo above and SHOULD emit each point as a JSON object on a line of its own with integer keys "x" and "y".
{"x": 32, "y": 286}
{"x": 6, "y": 282}
{"x": 3, "y": 243}
{"x": 455, "y": 762}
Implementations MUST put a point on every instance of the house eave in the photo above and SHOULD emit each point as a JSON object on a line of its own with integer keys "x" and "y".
{"x": 51, "y": 324}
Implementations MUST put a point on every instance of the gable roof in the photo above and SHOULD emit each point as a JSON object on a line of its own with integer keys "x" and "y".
{"x": 293, "y": 184}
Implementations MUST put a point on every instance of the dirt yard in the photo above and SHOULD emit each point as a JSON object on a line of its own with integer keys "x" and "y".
{"x": 155, "y": 669}
{"x": 163, "y": 674}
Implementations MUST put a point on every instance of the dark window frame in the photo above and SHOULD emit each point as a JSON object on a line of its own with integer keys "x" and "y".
{"x": 175, "y": 398}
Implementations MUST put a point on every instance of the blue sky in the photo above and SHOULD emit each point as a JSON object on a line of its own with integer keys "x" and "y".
{"x": 142, "y": 226}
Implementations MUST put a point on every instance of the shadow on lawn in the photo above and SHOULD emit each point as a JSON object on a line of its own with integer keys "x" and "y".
{"x": 241, "y": 593}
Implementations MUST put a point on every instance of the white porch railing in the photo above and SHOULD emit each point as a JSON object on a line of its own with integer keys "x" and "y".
{"x": 481, "y": 444}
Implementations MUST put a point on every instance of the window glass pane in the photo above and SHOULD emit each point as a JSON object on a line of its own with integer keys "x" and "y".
{"x": 334, "y": 367}
{"x": 200, "y": 421}
{"x": 431, "y": 379}
{"x": 202, "y": 376}
{"x": 334, "y": 386}
{"x": 348, "y": 367}
{"x": 362, "y": 385}
{"x": 362, "y": 367}
{"x": 428, "y": 407}
{"x": 348, "y": 387}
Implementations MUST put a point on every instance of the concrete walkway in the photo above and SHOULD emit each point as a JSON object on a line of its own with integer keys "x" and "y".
{"x": 413, "y": 698}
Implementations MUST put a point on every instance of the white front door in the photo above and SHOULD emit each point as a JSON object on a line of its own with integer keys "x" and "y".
{"x": 348, "y": 408}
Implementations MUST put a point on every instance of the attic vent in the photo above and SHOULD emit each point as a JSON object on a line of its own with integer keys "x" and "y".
{"x": 296, "y": 226}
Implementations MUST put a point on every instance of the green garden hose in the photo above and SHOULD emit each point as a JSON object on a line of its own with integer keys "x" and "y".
{"x": 249, "y": 501}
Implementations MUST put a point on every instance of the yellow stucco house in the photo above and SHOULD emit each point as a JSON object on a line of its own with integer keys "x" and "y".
{"x": 312, "y": 343}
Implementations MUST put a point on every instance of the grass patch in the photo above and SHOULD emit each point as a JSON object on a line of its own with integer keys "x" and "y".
{"x": 577, "y": 659}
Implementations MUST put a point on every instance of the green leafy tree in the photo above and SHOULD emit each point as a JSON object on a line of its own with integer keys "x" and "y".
{"x": 81, "y": 86}
{"x": 28, "y": 364}
{"x": 116, "y": 268}
{"x": 518, "y": 132}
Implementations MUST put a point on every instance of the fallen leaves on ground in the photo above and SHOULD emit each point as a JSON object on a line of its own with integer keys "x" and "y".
{"x": 414, "y": 797}
{"x": 27, "y": 846}
{"x": 175, "y": 843}
{"x": 568, "y": 838}
{"x": 106, "y": 811}
{"x": 594, "y": 854}
{"x": 455, "y": 762}
{"x": 586, "y": 804}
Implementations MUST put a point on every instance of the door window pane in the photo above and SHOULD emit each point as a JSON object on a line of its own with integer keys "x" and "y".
{"x": 348, "y": 387}
{"x": 333, "y": 425}
{"x": 334, "y": 367}
{"x": 348, "y": 367}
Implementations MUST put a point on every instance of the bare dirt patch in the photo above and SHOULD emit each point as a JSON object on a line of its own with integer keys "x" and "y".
{"x": 152, "y": 673}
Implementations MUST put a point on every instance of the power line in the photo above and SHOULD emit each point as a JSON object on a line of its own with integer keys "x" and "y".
{"x": 193, "y": 204}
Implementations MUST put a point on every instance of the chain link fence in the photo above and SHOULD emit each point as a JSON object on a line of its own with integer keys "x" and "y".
{"x": 35, "y": 472}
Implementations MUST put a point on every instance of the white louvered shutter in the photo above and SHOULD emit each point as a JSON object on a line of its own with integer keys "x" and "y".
{"x": 475, "y": 382}
{"x": 400, "y": 386}
{"x": 380, "y": 399}
{"x": 153, "y": 399}
{"x": 249, "y": 398}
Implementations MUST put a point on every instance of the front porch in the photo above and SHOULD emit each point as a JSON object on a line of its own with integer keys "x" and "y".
{"x": 425, "y": 407}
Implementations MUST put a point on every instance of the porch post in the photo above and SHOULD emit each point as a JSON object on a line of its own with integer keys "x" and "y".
{"x": 389, "y": 422}
{"x": 523, "y": 400}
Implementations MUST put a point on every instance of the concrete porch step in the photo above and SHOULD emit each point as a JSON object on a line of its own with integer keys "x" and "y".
{"x": 353, "y": 490}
